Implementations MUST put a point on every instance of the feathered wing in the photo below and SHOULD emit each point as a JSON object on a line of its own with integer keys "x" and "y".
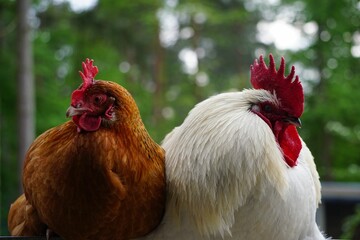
{"x": 233, "y": 156}
{"x": 23, "y": 219}
{"x": 49, "y": 182}
{"x": 91, "y": 195}
{"x": 308, "y": 157}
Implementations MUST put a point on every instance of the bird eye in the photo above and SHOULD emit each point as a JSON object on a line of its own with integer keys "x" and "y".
{"x": 267, "y": 108}
{"x": 98, "y": 99}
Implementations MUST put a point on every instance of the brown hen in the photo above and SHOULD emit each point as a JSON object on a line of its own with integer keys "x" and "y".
{"x": 99, "y": 176}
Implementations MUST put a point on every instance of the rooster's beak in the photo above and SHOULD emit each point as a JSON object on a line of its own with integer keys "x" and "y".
{"x": 294, "y": 121}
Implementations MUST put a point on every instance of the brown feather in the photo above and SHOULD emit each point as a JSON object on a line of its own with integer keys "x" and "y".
{"x": 23, "y": 219}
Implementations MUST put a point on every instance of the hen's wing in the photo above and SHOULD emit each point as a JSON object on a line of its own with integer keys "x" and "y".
{"x": 23, "y": 219}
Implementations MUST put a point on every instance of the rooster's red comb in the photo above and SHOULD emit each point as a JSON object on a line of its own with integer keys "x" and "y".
{"x": 89, "y": 72}
{"x": 288, "y": 90}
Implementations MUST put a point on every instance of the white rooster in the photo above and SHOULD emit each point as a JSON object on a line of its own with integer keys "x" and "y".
{"x": 237, "y": 168}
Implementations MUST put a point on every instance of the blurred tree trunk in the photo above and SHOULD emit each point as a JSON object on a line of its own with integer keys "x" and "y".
{"x": 195, "y": 43}
{"x": 25, "y": 82}
{"x": 159, "y": 79}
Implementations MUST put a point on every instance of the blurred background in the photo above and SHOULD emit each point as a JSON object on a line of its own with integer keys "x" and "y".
{"x": 171, "y": 54}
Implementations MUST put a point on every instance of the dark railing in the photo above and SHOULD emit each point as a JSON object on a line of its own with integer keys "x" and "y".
{"x": 28, "y": 238}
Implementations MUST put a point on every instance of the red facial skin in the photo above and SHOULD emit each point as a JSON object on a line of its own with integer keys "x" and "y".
{"x": 89, "y": 111}
{"x": 284, "y": 129}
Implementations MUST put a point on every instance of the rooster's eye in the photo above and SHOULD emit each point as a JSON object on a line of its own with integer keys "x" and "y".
{"x": 267, "y": 108}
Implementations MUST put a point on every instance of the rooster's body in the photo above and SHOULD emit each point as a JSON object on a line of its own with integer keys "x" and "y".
{"x": 237, "y": 168}
{"x": 99, "y": 176}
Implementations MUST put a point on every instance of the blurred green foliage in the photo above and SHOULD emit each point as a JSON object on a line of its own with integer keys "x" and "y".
{"x": 141, "y": 44}
{"x": 351, "y": 226}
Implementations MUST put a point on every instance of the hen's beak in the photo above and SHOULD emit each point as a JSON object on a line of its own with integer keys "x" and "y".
{"x": 73, "y": 111}
{"x": 294, "y": 121}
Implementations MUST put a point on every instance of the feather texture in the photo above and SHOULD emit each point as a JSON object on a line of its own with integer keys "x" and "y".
{"x": 227, "y": 177}
{"x": 107, "y": 183}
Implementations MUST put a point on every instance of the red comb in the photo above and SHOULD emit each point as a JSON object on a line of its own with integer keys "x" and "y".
{"x": 89, "y": 72}
{"x": 287, "y": 89}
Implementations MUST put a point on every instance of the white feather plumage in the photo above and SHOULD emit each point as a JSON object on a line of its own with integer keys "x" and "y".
{"x": 227, "y": 178}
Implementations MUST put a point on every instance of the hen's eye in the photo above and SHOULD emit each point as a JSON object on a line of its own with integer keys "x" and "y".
{"x": 98, "y": 99}
{"x": 267, "y": 108}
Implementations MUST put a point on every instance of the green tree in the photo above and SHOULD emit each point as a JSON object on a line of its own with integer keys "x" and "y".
{"x": 330, "y": 127}
{"x": 172, "y": 54}
{"x": 8, "y": 141}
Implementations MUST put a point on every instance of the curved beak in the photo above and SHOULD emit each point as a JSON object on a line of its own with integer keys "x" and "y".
{"x": 294, "y": 121}
{"x": 73, "y": 111}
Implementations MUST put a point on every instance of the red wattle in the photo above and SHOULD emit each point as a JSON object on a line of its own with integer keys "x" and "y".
{"x": 289, "y": 141}
{"x": 87, "y": 123}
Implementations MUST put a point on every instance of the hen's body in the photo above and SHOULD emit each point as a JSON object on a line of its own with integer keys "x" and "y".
{"x": 107, "y": 190}
{"x": 102, "y": 184}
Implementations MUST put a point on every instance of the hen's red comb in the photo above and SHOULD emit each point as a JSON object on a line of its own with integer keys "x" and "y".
{"x": 89, "y": 72}
{"x": 288, "y": 91}
{"x": 88, "y": 75}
